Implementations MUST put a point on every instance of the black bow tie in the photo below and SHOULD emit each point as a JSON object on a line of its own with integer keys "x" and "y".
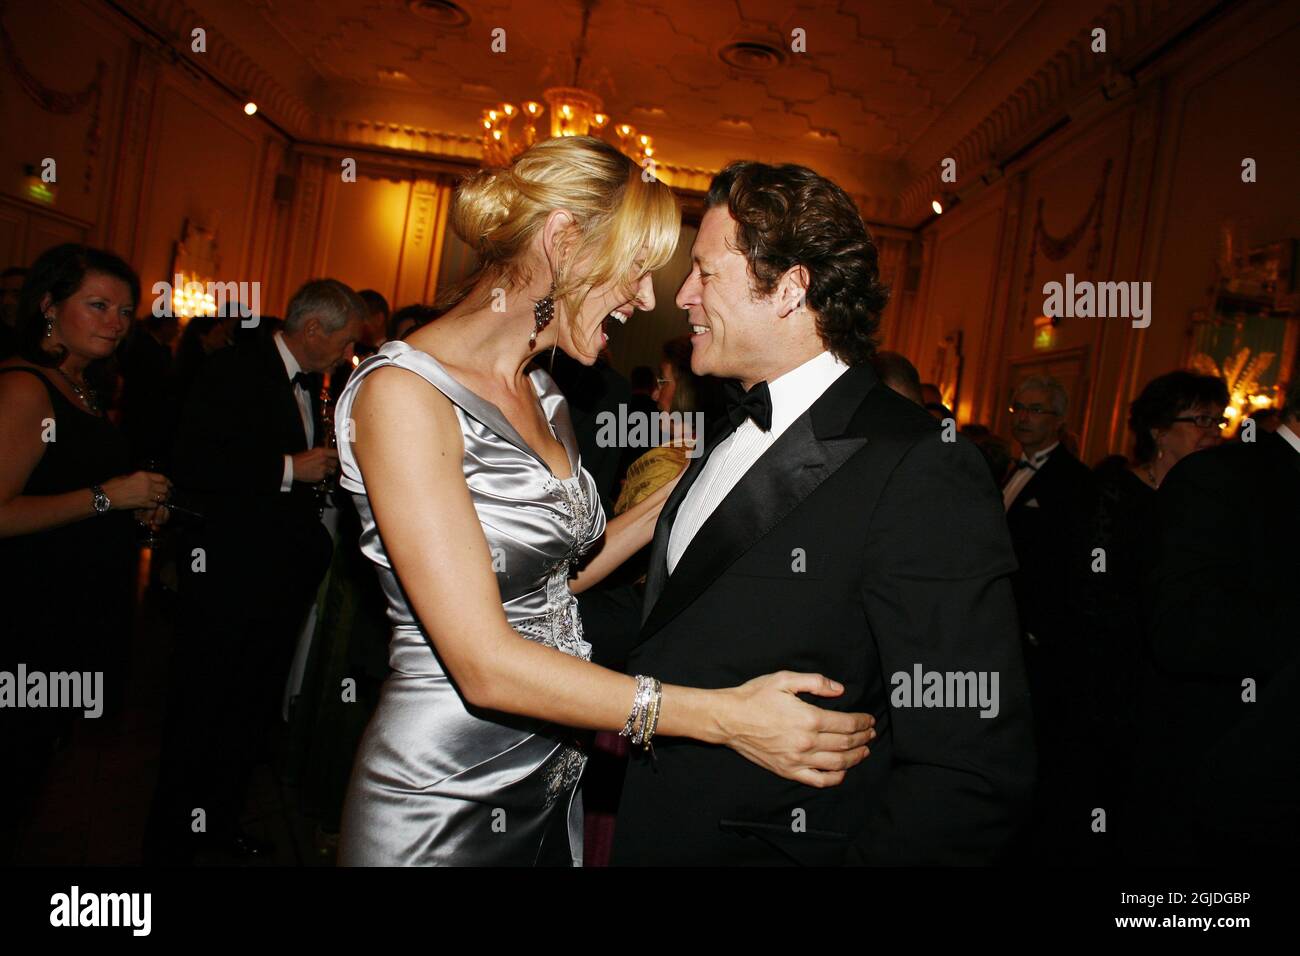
{"x": 755, "y": 404}
{"x": 1025, "y": 463}
{"x": 303, "y": 379}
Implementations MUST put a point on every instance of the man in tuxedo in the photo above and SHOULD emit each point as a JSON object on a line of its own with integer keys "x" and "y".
{"x": 1218, "y": 781}
{"x": 1049, "y": 499}
{"x": 249, "y": 458}
{"x": 828, "y": 527}
{"x": 148, "y": 390}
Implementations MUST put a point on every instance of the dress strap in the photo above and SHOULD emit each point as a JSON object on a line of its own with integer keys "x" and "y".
{"x": 55, "y": 395}
{"x": 403, "y": 355}
{"x": 395, "y": 354}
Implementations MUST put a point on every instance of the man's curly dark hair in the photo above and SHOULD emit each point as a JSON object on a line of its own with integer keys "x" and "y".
{"x": 789, "y": 216}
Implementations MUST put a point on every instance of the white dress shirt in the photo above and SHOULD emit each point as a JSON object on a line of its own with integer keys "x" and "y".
{"x": 304, "y": 408}
{"x": 1022, "y": 474}
{"x": 1291, "y": 437}
{"x": 792, "y": 394}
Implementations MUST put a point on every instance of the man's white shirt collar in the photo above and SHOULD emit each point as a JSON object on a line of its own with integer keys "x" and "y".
{"x": 290, "y": 362}
{"x": 794, "y": 392}
{"x": 1039, "y": 457}
{"x": 1289, "y": 436}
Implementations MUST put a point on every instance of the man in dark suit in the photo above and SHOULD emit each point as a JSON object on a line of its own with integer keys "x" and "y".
{"x": 1049, "y": 499}
{"x": 1218, "y": 781}
{"x": 828, "y": 527}
{"x": 593, "y": 392}
{"x": 148, "y": 390}
{"x": 250, "y": 457}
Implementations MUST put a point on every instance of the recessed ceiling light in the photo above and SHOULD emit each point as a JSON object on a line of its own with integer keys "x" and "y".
{"x": 387, "y": 73}
{"x": 442, "y": 12}
{"x": 754, "y": 56}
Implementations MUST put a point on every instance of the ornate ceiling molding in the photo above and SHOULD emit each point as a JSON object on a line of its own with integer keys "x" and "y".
{"x": 173, "y": 21}
{"x": 380, "y": 134}
{"x": 1128, "y": 23}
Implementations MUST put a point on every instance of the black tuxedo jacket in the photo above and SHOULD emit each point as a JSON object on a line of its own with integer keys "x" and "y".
{"x": 240, "y": 420}
{"x": 1049, "y": 525}
{"x": 148, "y": 398}
{"x": 860, "y": 545}
{"x": 1218, "y": 779}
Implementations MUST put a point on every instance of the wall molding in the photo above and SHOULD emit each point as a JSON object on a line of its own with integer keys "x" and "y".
{"x": 1072, "y": 76}
{"x": 169, "y": 23}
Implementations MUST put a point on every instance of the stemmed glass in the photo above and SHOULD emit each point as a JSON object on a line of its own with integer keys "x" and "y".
{"x": 147, "y": 537}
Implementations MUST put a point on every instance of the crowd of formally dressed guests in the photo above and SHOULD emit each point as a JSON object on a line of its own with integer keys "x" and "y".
{"x": 1155, "y": 590}
{"x": 1158, "y": 615}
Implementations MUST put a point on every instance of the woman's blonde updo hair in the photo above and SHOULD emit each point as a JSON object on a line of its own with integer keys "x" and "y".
{"x": 620, "y": 218}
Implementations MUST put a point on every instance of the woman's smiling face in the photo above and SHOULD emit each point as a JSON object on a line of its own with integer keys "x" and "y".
{"x": 586, "y": 336}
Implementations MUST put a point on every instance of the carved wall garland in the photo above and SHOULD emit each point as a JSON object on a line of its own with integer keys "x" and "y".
{"x": 1057, "y": 248}
{"x": 57, "y": 101}
{"x": 1126, "y": 22}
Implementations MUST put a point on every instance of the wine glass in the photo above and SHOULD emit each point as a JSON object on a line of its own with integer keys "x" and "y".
{"x": 148, "y": 538}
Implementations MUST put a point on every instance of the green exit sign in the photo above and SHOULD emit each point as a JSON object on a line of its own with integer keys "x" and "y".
{"x": 40, "y": 192}
{"x": 1044, "y": 333}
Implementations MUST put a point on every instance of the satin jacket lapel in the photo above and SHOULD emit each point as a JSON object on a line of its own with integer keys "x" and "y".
{"x": 1027, "y": 492}
{"x": 287, "y": 413}
{"x": 1032, "y": 485}
{"x": 657, "y": 573}
{"x": 810, "y": 451}
{"x": 1285, "y": 454}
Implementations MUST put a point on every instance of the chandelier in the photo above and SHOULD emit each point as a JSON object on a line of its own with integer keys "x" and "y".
{"x": 574, "y": 112}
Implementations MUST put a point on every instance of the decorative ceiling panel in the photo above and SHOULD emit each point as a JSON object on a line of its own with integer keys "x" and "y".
{"x": 875, "y": 76}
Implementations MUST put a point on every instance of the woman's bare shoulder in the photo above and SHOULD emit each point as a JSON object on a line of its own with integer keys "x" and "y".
{"x": 406, "y": 410}
{"x": 23, "y": 392}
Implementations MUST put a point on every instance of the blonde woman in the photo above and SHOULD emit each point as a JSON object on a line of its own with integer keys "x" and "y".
{"x": 474, "y": 509}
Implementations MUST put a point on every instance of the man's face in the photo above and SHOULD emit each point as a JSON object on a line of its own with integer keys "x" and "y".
{"x": 731, "y": 330}
{"x": 1033, "y": 422}
{"x": 328, "y": 348}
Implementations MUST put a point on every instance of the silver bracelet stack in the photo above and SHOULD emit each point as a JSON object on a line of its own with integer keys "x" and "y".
{"x": 644, "y": 718}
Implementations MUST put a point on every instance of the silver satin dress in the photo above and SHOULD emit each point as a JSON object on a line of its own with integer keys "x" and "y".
{"x": 434, "y": 782}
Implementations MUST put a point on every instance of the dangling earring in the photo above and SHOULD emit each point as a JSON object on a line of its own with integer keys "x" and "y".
{"x": 543, "y": 312}
{"x": 49, "y": 324}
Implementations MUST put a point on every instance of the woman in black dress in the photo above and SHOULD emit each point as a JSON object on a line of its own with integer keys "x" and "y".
{"x": 67, "y": 552}
{"x": 1176, "y": 415}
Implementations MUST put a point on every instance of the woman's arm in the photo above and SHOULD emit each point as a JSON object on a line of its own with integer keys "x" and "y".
{"x": 625, "y": 535}
{"x": 412, "y": 464}
{"x": 25, "y": 411}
